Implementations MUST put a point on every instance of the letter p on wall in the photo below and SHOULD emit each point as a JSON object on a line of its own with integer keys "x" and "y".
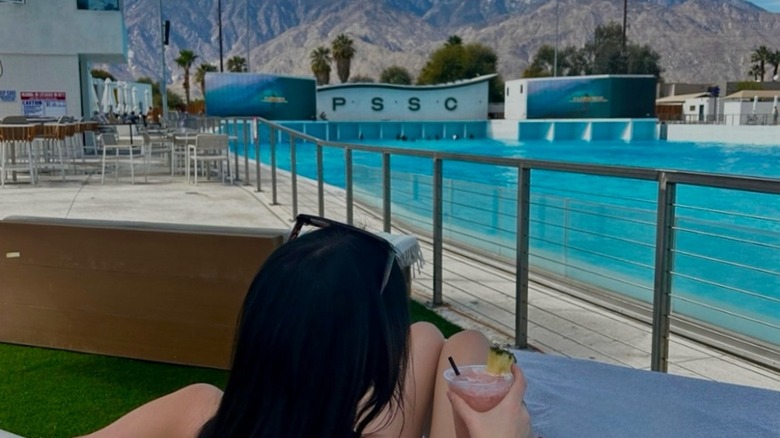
{"x": 337, "y": 102}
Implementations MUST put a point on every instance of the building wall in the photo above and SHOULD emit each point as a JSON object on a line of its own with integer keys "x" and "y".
{"x": 47, "y": 46}
{"x": 468, "y": 101}
{"x": 759, "y": 135}
{"x": 23, "y": 73}
{"x": 59, "y": 28}
{"x": 582, "y": 97}
{"x": 516, "y": 99}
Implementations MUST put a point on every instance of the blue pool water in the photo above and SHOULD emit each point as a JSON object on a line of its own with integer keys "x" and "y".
{"x": 599, "y": 230}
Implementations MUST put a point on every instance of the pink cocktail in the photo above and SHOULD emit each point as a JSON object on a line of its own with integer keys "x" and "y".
{"x": 482, "y": 391}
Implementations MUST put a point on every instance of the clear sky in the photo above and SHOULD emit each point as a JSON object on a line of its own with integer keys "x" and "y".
{"x": 769, "y": 5}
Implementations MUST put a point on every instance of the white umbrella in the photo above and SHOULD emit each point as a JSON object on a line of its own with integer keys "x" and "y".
{"x": 94, "y": 103}
{"x": 774, "y": 101}
{"x": 755, "y": 103}
{"x": 109, "y": 103}
{"x": 147, "y": 102}
{"x": 120, "y": 99}
{"x": 134, "y": 99}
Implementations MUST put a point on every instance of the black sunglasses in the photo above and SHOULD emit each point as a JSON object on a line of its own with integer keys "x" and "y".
{"x": 320, "y": 222}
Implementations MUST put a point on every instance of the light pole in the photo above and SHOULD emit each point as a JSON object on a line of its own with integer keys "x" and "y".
{"x": 555, "y": 62}
{"x": 246, "y": 42}
{"x": 219, "y": 25}
{"x": 623, "y": 52}
{"x": 163, "y": 79}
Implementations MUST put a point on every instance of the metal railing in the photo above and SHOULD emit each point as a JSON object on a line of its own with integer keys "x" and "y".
{"x": 758, "y": 119}
{"x": 668, "y": 224}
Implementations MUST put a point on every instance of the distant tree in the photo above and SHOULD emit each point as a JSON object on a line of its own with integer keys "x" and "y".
{"x": 395, "y": 74}
{"x": 185, "y": 60}
{"x": 320, "y": 64}
{"x": 343, "y": 49}
{"x": 774, "y": 61}
{"x": 174, "y": 100}
{"x": 361, "y": 79}
{"x": 606, "y": 50}
{"x": 200, "y": 76}
{"x": 749, "y": 85}
{"x": 755, "y": 72}
{"x": 98, "y": 73}
{"x": 643, "y": 60}
{"x": 455, "y": 61}
{"x": 454, "y": 40}
{"x": 603, "y": 55}
{"x": 236, "y": 64}
{"x": 760, "y": 58}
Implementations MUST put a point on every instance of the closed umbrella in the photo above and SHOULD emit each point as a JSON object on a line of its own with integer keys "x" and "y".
{"x": 109, "y": 103}
{"x": 94, "y": 103}
{"x": 755, "y": 103}
{"x": 120, "y": 99}
{"x": 134, "y": 99}
{"x": 147, "y": 102}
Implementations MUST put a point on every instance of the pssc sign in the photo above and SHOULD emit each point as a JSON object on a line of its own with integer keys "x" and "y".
{"x": 378, "y": 104}
{"x": 463, "y": 100}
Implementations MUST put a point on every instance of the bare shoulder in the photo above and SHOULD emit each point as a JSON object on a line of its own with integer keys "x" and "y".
{"x": 181, "y": 414}
{"x": 202, "y": 401}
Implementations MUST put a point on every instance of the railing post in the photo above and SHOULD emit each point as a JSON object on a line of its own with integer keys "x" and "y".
{"x": 349, "y": 186}
{"x": 272, "y": 142}
{"x": 662, "y": 288}
{"x": 257, "y": 154}
{"x": 293, "y": 178}
{"x": 246, "y": 152}
{"x": 235, "y": 154}
{"x": 386, "y": 200}
{"x": 438, "y": 234}
{"x": 522, "y": 256}
{"x": 320, "y": 183}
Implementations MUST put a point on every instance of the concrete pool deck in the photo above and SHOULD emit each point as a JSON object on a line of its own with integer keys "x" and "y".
{"x": 478, "y": 293}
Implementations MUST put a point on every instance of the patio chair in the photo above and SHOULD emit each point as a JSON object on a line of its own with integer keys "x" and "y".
{"x": 158, "y": 146}
{"x": 209, "y": 149}
{"x": 110, "y": 143}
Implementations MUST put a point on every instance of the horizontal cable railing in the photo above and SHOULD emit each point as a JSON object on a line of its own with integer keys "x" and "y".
{"x": 643, "y": 239}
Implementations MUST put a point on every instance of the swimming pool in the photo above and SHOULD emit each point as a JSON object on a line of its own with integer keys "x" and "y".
{"x": 599, "y": 231}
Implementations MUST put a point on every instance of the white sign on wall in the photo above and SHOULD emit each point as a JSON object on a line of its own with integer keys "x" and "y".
{"x": 44, "y": 103}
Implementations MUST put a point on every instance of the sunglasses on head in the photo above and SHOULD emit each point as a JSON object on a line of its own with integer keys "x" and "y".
{"x": 320, "y": 222}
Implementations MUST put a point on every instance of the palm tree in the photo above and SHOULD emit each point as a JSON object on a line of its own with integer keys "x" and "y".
{"x": 200, "y": 76}
{"x": 320, "y": 64}
{"x": 185, "y": 60}
{"x": 774, "y": 60}
{"x": 237, "y": 64}
{"x": 343, "y": 52}
{"x": 760, "y": 57}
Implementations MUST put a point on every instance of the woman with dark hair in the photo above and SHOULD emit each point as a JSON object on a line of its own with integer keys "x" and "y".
{"x": 324, "y": 349}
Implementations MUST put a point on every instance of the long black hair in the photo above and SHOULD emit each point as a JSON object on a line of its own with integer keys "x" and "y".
{"x": 319, "y": 351}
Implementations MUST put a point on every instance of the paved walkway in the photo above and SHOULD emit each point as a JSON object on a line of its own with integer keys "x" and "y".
{"x": 478, "y": 293}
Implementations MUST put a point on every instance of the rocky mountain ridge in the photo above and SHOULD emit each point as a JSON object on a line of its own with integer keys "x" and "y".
{"x": 699, "y": 40}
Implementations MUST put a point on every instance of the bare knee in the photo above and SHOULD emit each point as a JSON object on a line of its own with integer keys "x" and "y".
{"x": 467, "y": 347}
{"x": 425, "y": 333}
{"x": 468, "y": 337}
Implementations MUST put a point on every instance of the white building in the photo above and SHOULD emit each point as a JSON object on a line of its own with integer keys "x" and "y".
{"x": 46, "y": 49}
{"x": 750, "y": 107}
{"x": 461, "y": 100}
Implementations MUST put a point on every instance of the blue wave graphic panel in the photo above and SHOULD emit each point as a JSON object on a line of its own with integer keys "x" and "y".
{"x": 260, "y": 95}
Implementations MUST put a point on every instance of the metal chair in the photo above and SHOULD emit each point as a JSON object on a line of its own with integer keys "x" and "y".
{"x": 209, "y": 149}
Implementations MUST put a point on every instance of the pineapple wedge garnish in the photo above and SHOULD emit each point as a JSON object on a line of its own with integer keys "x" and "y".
{"x": 499, "y": 360}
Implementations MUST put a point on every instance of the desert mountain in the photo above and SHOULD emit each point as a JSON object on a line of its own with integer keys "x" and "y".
{"x": 699, "y": 40}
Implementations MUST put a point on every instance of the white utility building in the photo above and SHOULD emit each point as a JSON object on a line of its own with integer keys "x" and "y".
{"x": 47, "y": 48}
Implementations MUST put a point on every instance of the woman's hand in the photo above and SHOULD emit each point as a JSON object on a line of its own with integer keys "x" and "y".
{"x": 509, "y": 419}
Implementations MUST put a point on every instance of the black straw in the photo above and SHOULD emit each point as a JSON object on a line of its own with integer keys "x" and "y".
{"x": 454, "y": 367}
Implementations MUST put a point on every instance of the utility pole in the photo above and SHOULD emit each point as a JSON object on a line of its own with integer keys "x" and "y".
{"x": 219, "y": 25}
{"x": 623, "y": 52}
{"x": 247, "y": 35}
{"x": 555, "y": 62}
{"x": 163, "y": 79}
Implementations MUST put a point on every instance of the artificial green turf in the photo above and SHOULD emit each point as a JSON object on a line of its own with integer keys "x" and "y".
{"x": 53, "y": 393}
